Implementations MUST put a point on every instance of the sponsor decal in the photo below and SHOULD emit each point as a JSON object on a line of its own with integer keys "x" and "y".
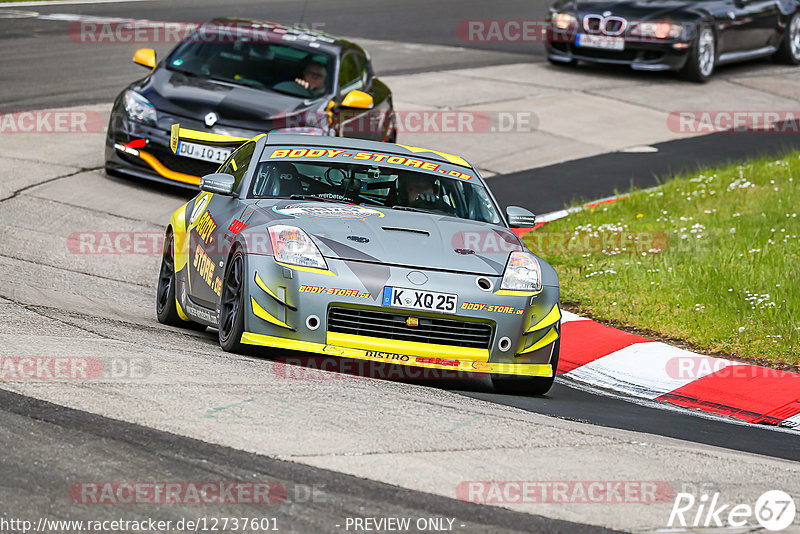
{"x": 199, "y": 206}
{"x": 205, "y": 226}
{"x": 386, "y": 355}
{"x": 438, "y": 361}
{"x": 336, "y": 291}
{"x": 205, "y": 267}
{"x": 201, "y": 313}
{"x": 174, "y": 140}
{"x": 366, "y": 157}
{"x": 316, "y": 211}
{"x": 492, "y": 308}
{"x": 236, "y": 226}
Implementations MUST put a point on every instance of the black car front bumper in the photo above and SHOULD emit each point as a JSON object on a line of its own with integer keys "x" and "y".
{"x": 637, "y": 55}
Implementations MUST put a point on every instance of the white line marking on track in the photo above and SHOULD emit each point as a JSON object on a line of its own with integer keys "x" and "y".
{"x": 64, "y": 3}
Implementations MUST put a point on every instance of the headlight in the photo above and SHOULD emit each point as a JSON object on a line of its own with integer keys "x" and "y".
{"x": 522, "y": 273}
{"x": 293, "y": 246}
{"x": 563, "y": 21}
{"x": 139, "y": 108}
{"x": 659, "y": 30}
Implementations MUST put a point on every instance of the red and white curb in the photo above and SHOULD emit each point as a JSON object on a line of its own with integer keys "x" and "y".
{"x": 608, "y": 358}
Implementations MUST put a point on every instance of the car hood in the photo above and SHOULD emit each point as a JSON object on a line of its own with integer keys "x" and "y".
{"x": 638, "y": 10}
{"x": 235, "y": 105}
{"x": 399, "y": 237}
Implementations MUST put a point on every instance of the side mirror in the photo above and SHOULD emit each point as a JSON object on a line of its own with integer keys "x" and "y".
{"x": 219, "y": 182}
{"x": 146, "y": 57}
{"x": 358, "y": 99}
{"x": 520, "y": 217}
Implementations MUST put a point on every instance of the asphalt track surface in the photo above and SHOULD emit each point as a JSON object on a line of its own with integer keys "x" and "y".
{"x": 75, "y": 441}
{"x": 60, "y": 76}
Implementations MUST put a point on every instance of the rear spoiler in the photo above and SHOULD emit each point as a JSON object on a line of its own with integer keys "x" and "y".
{"x": 178, "y": 134}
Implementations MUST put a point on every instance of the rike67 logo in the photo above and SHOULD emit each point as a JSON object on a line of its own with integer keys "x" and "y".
{"x": 774, "y": 510}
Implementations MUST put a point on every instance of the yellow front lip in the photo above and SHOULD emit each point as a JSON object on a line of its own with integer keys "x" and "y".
{"x": 523, "y": 369}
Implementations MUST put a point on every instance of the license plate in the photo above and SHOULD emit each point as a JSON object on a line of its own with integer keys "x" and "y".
{"x": 605, "y": 42}
{"x": 403, "y": 297}
{"x": 205, "y": 153}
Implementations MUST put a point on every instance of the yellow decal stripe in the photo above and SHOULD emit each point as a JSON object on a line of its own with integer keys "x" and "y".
{"x": 264, "y": 287}
{"x": 513, "y": 293}
{"x": 306, "y": 269}
{"x": 551, "y": 336}
{"x": 181, "y": 313}
{"x": 261, "y": 313}
{"x": 205, "y": 138}
{"x": 165, "y": 172}
{"x": 549, "y": 320}
{"x": 526, "y": 369}
{"x": 449, "y": 157}
{"x": 412, "y": 348}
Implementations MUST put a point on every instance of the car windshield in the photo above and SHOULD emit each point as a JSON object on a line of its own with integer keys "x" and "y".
{"x": 375, "y": 185}
{"x": 278, "y": 67}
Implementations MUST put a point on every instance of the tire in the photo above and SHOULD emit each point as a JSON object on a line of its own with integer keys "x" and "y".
{"x": 789, "y": 51}
{"x": 166, "y": 309}
{"x": 232, "y": 305}
{"x": 527, "y": 385}
{"x": 702, "y": 55}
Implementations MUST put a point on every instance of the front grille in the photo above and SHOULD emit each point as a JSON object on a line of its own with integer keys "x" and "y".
{"x": 182, "y": 164}
{"x": 389, "y": 325}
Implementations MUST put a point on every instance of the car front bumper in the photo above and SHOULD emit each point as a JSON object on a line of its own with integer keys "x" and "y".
{"x": 637, "y": 55}
{"x": 297, "y": 308}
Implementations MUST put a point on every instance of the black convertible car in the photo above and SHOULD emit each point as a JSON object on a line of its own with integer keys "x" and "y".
{"x": 240, "y": 78}
{"x": 688, "y": 36}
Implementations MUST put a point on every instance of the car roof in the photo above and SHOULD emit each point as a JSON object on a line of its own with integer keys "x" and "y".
{"x": 293, "y": 34}
{"x": 286, "y": 139}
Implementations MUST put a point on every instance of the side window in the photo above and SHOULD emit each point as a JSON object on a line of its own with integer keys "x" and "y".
{"x": 352, "y": 73}
{"x": 239, "y": 162}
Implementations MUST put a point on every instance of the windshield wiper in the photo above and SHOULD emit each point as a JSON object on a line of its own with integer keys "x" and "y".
{"x": 183, "y": 71}
{"x": 321, "y": 199}
{"x": 419, "y": 210}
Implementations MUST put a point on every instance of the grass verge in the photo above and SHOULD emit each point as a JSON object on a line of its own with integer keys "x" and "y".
{"x": 711, "y": 258}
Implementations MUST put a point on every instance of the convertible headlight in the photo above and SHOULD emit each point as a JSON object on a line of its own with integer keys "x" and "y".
{"x": 522, "y": 273}
{"x": 659, "y": 30}
{"x": 293, "y": 246}
{"x": 563, "y": 21}
{"x": 139, "y": 108}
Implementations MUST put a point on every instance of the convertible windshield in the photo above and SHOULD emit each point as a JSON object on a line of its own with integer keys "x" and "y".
{"x": 375, "y": 185}
{"x": 278, "y": 67}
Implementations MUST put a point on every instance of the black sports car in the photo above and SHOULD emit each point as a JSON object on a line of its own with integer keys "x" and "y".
{"x": 241, "y": 78}
{"x": 689, "y": 36}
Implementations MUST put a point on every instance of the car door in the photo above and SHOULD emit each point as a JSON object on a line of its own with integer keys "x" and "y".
{"x": 747, "y": 25}
{"x": 210, "y": 231}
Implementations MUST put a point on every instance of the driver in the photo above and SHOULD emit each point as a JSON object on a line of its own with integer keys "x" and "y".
{"x": 313, "y": 78}
{"x": 417, "y": 191}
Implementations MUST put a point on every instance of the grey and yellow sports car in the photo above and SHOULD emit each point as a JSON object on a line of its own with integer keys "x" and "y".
{"x": 364, "y": 250}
